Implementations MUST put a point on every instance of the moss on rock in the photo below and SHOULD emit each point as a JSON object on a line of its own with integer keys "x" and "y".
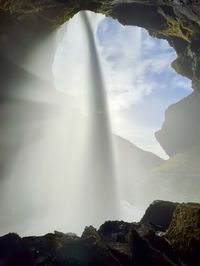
{"x": 177, "y": 27}
{"x": 184, "y": 232}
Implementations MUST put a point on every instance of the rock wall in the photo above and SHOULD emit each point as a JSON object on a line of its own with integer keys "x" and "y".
{"x": 181, "y": 130}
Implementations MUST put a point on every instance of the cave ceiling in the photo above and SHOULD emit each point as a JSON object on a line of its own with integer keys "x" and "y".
{"x": 24, "y": 22}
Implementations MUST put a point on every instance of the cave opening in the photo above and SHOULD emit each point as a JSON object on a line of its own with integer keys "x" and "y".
{"x": 134, "y": 53}
{"x": 140, "y": 85}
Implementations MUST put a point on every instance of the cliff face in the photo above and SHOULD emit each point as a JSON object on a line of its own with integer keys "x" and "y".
{"x": 179, "y": 137}
{"x": 180, "y": 131}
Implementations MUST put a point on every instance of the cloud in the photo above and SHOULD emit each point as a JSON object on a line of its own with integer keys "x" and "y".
{"x": 136, "y": 67}
{"x": 130, "y": 59}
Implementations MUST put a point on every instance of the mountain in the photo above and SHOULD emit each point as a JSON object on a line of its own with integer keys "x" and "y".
{"x": 133, "y": 166}
{"x": 134, "y": 156}
{"x": 178, "y": 177}
{"x": 144, "y": 177}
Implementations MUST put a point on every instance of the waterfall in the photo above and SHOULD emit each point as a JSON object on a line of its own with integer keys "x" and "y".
{"x": 61, "y": 176}
{"x": 100, "y": 156}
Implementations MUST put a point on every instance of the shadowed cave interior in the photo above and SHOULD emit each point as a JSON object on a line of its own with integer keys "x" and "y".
{"x": 52, "y": 131}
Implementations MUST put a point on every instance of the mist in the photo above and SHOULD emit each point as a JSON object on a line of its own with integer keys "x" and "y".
{"x": 62, "y": 175}
{"x": 62, "y": 167}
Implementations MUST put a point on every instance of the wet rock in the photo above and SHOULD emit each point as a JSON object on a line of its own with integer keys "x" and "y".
{"x": 115, "y": 231}
{"x": 131, "y": 13}
{"x": 85, "y": 252}
{"x": 184, "y": 233}
{"x": 159, "y": 215}
{"x": 159, "y": 242}
{"x": 143, "y": 254}
{"x": 91, "y": 233}
{"x": 60, "y": 249}
{"x": 44, "y": 249}
{"x": 13, "y": 252}
{"x": 116, "y": 243}
{"x": 116, "y": 235}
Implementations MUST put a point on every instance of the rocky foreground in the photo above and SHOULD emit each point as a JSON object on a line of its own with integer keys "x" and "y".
{"x": 167, "y": 235}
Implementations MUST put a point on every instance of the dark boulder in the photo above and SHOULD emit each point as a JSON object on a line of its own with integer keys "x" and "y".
{"x": 160, "y": 243}
{"x": 159, "y": 215}
{"x": 115, "y": 231}
{"x": 184, "y": 233}
{"x": 143, "y": 254}
{"x": 13, "y": 252}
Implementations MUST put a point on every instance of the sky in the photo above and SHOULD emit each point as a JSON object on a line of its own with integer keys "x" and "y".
{"x": 139, "y": 80}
